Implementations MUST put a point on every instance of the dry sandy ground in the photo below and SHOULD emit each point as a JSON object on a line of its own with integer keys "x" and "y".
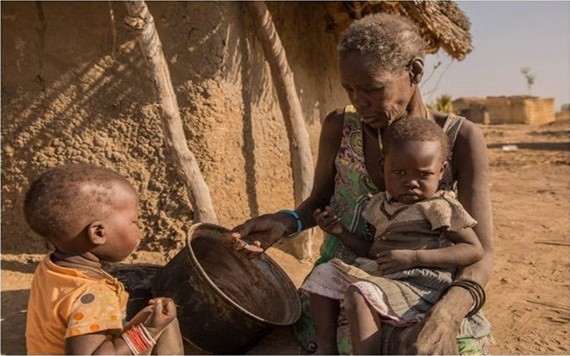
{"x": 528, "y": 295}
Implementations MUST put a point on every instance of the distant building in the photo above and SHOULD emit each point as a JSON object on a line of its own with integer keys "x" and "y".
{"x": 529, "y": 110}
{"x": 564, "y": 113}
{"x": 474, "y": 109}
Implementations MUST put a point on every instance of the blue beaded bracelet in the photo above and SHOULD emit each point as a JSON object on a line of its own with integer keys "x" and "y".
{"x": 297, "y": 218}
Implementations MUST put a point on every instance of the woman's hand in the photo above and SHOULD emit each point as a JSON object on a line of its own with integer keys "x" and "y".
{"x": 262, "y": 232}
{"x": 436, "y": 334}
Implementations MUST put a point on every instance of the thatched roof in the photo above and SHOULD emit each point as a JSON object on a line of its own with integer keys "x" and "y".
{"x": 442, "y": 23}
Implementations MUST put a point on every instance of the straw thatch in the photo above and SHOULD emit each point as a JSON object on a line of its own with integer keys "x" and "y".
{"x": 442, "y": 23}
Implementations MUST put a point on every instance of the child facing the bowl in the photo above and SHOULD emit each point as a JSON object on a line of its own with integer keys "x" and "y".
{"x": 90, "y": 215}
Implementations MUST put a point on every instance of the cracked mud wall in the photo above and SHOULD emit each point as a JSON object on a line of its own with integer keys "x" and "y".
{"x": 75, "y": 89}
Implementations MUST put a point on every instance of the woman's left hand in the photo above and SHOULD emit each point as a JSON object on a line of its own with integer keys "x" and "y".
{"x": 436, "y": 334}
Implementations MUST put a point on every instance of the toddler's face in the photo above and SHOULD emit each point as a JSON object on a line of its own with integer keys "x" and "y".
{"x": 121, "y": 224}
{"x": 413, "y": 170}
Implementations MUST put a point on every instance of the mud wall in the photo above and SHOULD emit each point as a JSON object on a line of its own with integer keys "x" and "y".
{"x": 520, "y": 110}
{"x": 472, "y": 108}
{"x": 75, "y": 89}
{"x": 564, "y": 113}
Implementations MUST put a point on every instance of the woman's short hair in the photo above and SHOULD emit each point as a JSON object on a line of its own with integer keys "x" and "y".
{"x": 392, "y": 39}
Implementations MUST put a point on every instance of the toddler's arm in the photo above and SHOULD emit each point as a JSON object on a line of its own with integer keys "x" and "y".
{"x": 155, "y": 318}
{"x": 466, "y": 250}
{"x": 330, "y": 223}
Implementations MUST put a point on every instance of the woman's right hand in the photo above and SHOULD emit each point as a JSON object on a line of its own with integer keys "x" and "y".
{"x": 264, "y": 230}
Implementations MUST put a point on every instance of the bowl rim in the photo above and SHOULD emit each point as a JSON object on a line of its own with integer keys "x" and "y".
{"x": 289, "y": 283}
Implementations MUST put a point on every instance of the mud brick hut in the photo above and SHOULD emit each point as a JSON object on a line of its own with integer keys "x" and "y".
{"x": 472, "y": 108}
{"x": 564, "y": 113}
{"x": 528, "y": 110}
{"x": 76, "y": 88}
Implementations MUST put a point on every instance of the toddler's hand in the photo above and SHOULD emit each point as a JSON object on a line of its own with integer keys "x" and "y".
{"x": 396, "y": 260}
{"x": 162, "y": 313}
{"x": 328, "y": 221}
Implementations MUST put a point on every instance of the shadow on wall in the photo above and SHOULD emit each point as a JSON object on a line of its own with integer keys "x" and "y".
{"x": 75, "y": 89}
{"x": 94, "y": 107}
{"x": 248, "y": 148}
{"x": 86, "y": 116}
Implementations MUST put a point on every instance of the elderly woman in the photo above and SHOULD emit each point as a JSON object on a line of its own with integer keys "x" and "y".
{"x": 381, "y": 65}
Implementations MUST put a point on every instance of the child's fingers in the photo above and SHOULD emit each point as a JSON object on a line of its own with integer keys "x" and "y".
{"x": 169, "y": 307}
{"x": 332, "y": 221}
{"x": 388, "y": 267}
{"x": 324, "y": 216}
{"x": 330, "y": 224}
{"x": 316, "y": 213}
{"x": 166, "y": 306}
{"x": 158, "y": 304}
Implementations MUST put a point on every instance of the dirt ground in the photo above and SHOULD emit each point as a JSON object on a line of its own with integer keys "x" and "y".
{"x": 528, "y": 295}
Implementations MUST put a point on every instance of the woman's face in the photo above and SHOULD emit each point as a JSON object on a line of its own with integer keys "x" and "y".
{"x": 379, "y": 96}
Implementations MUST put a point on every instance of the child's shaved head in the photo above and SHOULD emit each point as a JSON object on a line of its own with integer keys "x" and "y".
{"x": 414, "y": 129}
{"x": 65, "y": 199}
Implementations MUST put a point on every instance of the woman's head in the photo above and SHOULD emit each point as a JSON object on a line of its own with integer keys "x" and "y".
{"x": 381, "y": 63}
{"x": 78, "y": 207}
{"x": 415, "y": 157}
{"x": 390, "y": 40}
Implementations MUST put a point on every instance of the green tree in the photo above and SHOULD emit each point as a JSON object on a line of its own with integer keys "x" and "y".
{"x": 443, "y": 103}
{"x": 529, "y": 78}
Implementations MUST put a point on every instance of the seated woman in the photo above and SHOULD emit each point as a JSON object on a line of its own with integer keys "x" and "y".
{"x": 381, "y": 65}
{"x": 421, "y": 235}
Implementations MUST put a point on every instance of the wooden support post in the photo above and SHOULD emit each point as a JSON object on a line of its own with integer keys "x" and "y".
{"x": 299, "y": 143}
{"x": 142, "y": 23}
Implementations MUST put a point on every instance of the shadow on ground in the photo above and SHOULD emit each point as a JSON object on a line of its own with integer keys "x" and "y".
{"x": 17, "y": 266}
{"x": 542, "y": 146}
{"x": 14, "y": 308}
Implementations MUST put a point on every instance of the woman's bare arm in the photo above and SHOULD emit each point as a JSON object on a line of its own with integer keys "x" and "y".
{"x": 325, "y": 170}
{"x": 269, "y": 228}
{"x": 472, "y": 172}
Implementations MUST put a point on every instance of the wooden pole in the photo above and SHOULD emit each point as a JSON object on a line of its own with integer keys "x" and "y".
{"x": 299, "y": 143}
{"x": 141, "y": 22}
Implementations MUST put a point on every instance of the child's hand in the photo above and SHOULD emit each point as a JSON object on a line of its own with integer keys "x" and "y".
{"x": 396, "y": 260}
{"x": 328, "y": 221}
{"x": 162, "y": 313}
